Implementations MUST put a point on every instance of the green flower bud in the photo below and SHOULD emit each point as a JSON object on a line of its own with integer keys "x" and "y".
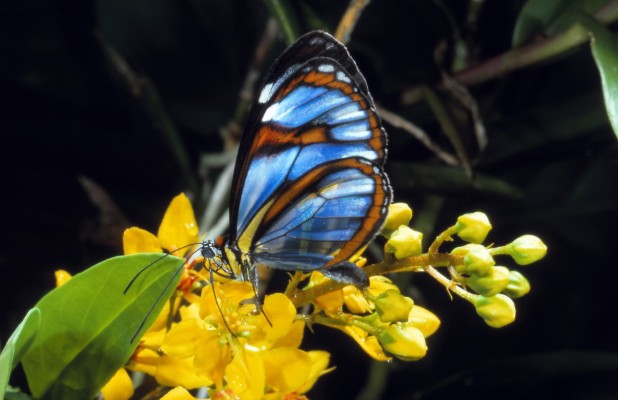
{"x": 392, "y": 306}
{"x": 404, "y": 341}
{"x": 497, "y": 311}
{"x": 490, "y": 284}
{"x": 518, "y": 285}
{"x": 473, "y": 227}
{"x": 477, "y": 259}
{"x": 527, "y": 249}
{"x": 405, "y": 242}
{"x": 398, "y": 214}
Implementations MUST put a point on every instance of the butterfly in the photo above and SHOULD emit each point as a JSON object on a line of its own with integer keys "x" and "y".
{"x": 309, "y": 190}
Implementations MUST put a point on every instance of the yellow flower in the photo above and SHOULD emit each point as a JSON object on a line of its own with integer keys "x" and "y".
{"x": 222, "y": 342}
{"x": 178, "y": 230}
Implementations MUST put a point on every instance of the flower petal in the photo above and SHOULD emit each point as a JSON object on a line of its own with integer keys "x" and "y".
{"x": 319, "y": 362}
{"x": 294, "y": 336}
{"x": 119, "y": 387}
{"x": 136, "y": 240}
{"x": 212, "y": 356}
{"x": 281, "y": 313}
{"x": 181, "y": 339}
{"x": 62, "y": 277}
{"x": 246, "y": 376}
{"x": 179, "y": 372}
{"x": 178, "y": 393}
{"x": 178, "y": 227}
{"x": 286, "y": 369}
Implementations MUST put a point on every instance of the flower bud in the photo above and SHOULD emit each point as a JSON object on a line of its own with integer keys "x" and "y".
{"x": 477, "y": 259}
{"x": 527, "y": 249}
{"x": 490, "y": 284}
{"x": 423, "y": 319}
{"x": 392, "y": 306}
{"x": 398, "y": 214}
{"x": 404, "y": 341}
{"x": 518, "y": 285}
{"x": 497, "y": 311}
{"x": 473, "y": 227}
{"x": 405, "y": 242}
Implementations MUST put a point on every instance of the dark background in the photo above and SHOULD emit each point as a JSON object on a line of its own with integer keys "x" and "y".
{"x": 66, "y": 113}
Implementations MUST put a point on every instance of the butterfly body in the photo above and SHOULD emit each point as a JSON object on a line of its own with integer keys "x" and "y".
{"x": 309, "y": 190}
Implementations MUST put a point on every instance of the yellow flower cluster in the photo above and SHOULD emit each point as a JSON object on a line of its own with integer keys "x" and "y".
{"x": 220, "y": 341}
{"x": 223, "y": 343}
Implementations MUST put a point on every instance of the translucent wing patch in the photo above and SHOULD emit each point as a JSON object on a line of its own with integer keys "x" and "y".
{"x": 322, "y": 220}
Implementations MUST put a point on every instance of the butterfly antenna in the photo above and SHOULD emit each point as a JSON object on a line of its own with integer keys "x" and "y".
{"x": 150, "y": 264}
{"x": 159, "y": 297}
{"x": 144, "y": 268}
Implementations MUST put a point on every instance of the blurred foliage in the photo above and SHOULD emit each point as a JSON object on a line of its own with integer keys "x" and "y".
{"x": 550, "y": 166}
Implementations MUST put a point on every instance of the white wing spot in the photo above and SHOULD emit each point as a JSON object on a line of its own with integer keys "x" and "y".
{"x": 343, "y": 77}
{"x": 265, "y": 93}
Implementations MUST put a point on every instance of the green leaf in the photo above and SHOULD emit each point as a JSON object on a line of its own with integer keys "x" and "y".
{"x": 605, "y": 51}
{"x": 19, "y": 342}
{"x": 535, "y": 17}
{"x": 547, "y": 17}
{"x": 87, "y": 324}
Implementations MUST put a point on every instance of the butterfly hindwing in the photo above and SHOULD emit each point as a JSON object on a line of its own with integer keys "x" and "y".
{"x": 323, "y": 218}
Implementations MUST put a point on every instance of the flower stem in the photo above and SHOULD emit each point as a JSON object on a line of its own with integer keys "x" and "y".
{"x": 349, "y": 19}
{"x": 449, "y": 284}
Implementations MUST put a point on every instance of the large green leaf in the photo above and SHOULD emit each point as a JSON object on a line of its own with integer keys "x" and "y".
{"x": 605, "y": 51}
{"x": 17, "y": 345}
{"x": 87, "y": 324}
{"x": 547, "y": 17}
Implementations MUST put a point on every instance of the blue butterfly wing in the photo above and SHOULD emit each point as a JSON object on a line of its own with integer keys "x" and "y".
{"x": 309, "y": 186}
{"x": 309, "y": 46}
